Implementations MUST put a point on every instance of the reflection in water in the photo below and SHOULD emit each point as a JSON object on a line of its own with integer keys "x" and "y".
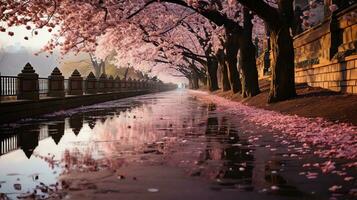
{"x": 165, "y": 129}
{"x": 28, "y": 138}
{"x": 56, "y": 131}
{"x": 76, "y": 123}
{"x": 25, "y": 138}
{"x": 274, "y": 178}
{"x": 233, "y": 162}
{"x": 90, "y": 120}
{"x": 8, "y": 143}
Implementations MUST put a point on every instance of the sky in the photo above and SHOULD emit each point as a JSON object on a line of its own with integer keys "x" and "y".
{"x": 12, "y": 65}
{"x": 35, "y": 42}
{"x": 15, "y": 52}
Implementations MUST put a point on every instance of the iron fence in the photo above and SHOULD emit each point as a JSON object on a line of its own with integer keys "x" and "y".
{"x": 83, "y": 86}
{"x": 43, "y": 86}
{"x": 8, "y": 85}
{"x": 66, "y": 88}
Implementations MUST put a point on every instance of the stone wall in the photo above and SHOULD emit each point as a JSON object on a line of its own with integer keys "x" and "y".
{"x": 27, "y": 89}
{"x": 326, "y": 55}
{"x": 340, "y": 76}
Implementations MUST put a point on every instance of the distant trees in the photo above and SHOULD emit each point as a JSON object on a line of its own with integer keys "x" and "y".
{"x": 98, "y": 65}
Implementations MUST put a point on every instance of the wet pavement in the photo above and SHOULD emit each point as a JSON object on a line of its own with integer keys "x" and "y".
{"x": 169, "y": 145}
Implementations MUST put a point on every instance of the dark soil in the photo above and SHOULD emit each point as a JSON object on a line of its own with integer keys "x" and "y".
{"x": 310, "y": 102}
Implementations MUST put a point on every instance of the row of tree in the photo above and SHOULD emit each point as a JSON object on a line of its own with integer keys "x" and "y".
{"x": 193, "y": 38}
{"x": 237, "y": 42}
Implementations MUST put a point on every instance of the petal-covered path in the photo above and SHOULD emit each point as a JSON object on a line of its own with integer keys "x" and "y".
{"x": 333, "y": 140}
{"x": 177, "y": 145}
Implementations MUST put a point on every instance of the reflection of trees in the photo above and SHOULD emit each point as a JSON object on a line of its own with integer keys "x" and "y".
{"x": 132, "y": 131}
{"x": 91, "y": 121}
{"x": 273, "y": 178}
{"x": 102, "y": 113}
{"x": 92, "y": 116}
{"x": 232, "y": 163}
{"x": 229, "y": 159}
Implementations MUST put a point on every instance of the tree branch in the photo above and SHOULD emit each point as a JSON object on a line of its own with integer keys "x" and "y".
{"x": 262, "y": 9}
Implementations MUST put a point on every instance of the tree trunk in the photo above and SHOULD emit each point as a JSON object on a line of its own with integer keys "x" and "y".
{"x": 97, "y": 70}
{"x": 283, "y": 74}
{"x": 190, "y": 83}
{"x": 247, "y": 61}
{"x": 204, "y": 80}
{"x": 233, "y": 74}
{"x": 279, "y": 21}
{"x": 212, "y": 67}
{"x": 102, "y": 64}
{"x": 195, "y": 82}
{"x": 96, "y": 66}
{"x": 226, "y": 86}
{"x": 232, "y": 47}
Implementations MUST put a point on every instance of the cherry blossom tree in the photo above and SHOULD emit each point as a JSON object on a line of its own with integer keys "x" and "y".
{"x": 182, "y": 56}
{"x": 213, "y": 11}
{"x": 80, "y": 31}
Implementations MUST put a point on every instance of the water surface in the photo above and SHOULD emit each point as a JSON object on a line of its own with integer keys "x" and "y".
{"x": 170, "y": 129}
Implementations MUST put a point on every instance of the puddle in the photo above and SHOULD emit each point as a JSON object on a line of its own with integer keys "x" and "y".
{"x": 169, "y": 129}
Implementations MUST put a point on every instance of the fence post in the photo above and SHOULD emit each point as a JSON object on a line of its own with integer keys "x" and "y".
{"x": 151, "y": 85}
{"x": 91, "y": 84}
{"x": 140, "y": 86}
{"x": 129, "y": 83}
{"x": 102, "y": 83}
{"x": 28, "y": 87}
{"x": 110, "y": 85}
{"x": 145, "y": 84}
{"x": 75, "y": 86}
{"x": 123, "y": 84}
{"x": 117, "y": 84}
{"x": 56, "y": 84}
{"x": 134, "y": 84}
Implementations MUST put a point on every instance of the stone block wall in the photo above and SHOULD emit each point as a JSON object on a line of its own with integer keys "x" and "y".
{"x": 340, "y": 76}
{"x": 326, "y": 55}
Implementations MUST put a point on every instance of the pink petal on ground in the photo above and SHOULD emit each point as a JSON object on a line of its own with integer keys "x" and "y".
{"x": 335, "y": 188}
{"x": 349, "y": 178}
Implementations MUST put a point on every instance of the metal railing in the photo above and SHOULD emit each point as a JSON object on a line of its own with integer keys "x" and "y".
{"x": 8, "y": 85}
{"x": 43, "y": 86}
{"x": 8, "y": 144}
{"x": 66, "y": 89}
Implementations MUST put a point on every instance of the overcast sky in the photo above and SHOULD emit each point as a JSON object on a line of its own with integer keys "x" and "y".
{"x": 12, "y": 64}
{"x": 35, "y": 42}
